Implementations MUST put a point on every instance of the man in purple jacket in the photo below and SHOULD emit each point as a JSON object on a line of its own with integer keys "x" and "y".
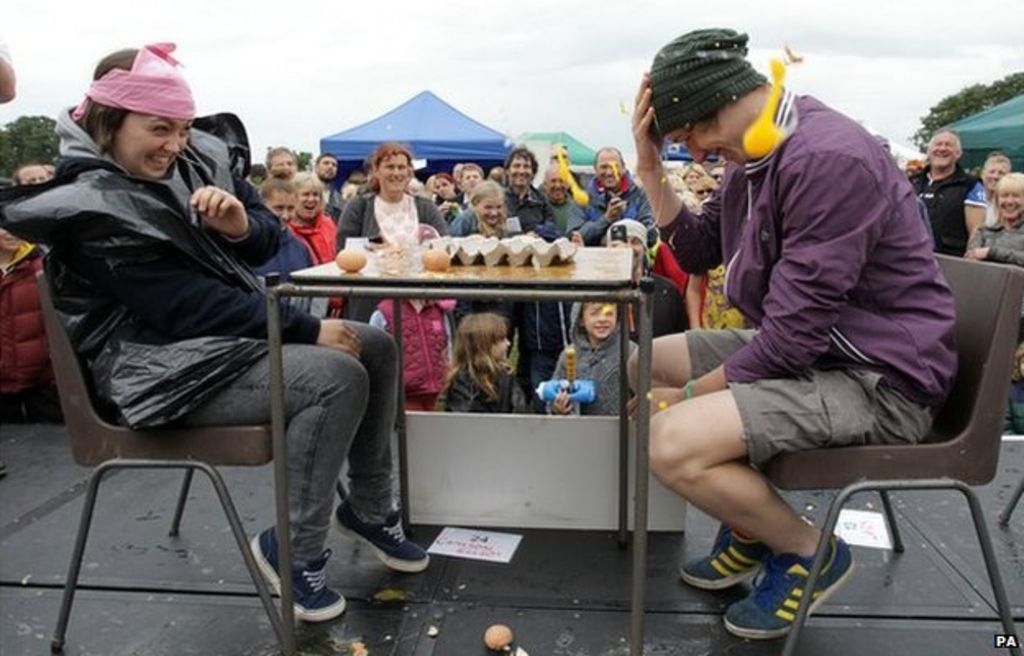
{"x": 827, "y": 255}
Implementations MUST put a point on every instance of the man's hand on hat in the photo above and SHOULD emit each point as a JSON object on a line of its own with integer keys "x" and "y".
{"x": 221, "y": 211}
{"x": 648, "y": 151}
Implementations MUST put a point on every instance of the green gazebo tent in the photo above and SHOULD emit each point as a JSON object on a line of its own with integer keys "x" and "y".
{"x": 997, "y": 128}
{"x": 580, "y": 154}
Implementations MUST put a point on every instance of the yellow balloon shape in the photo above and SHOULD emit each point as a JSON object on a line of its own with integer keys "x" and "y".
{"x": 764, "y": 136}
{"x": 578, "y": 194}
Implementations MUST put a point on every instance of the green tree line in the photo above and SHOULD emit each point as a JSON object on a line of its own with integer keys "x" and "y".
{"x": 27, "y": 139}
{"x": 969, "y": 100}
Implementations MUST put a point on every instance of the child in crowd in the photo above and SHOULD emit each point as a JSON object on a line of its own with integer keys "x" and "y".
{"x": 486, "y": 215}
{"x": 468, "y": 178}
{"x": 426, "y": 331}
{"x": 280, "y": 198}
{"x": 650, "y": 259}
{"x": 595, "y": 336}
{"x": 481, "y": 378}
{"x": 27, "y": 390}
{"x": 1015, "y": 403}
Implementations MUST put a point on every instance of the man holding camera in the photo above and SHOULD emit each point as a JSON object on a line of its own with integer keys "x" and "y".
{"x": 613, "y": 196}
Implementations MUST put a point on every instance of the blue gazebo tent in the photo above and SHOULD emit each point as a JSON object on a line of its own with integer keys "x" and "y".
{"x": 436, "y": 132}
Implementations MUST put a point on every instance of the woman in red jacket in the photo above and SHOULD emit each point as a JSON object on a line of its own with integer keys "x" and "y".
{"x": 27, "y": 391}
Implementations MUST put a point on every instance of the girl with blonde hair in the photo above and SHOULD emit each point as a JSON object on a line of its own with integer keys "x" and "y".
{"x": 486, "y": 214}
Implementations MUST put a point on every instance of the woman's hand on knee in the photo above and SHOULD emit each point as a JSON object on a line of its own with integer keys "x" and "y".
{"x": 335, "y": 334}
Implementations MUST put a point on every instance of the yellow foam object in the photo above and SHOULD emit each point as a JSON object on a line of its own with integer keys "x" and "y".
{"x": 764, "y": 136}
{"x": 570, "y": 362}
{"x": 578, "y": 194}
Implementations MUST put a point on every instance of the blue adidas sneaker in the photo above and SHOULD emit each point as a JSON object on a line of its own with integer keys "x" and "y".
{"x": 732, "y": 560}
{"x": 769, "y": 611}
{"x": 387, "y": 540}
{"x": 313, "y": 600}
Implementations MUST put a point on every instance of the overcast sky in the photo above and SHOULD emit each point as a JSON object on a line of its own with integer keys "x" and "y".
{"x": 299, "y": 71}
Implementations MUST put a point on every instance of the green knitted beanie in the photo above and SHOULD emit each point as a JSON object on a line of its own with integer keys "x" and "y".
{"x": 696, "y": 75}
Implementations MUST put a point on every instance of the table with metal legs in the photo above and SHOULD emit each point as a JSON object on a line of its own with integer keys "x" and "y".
{"x": 597, "y": 275}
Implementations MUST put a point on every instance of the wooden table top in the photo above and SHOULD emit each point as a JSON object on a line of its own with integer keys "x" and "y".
{"x": 594, "y": 267}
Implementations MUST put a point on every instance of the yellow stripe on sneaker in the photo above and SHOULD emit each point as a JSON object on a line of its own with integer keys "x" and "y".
{"x": 729, "y": 562}
{"x": 785, "y": 614}
{"x": 790, "y": 603}
{"x": 797, "y": 592}
{"x": 735, "y": 553}
{"x": 799, "y": 570}
{"x": 721, "y": 570}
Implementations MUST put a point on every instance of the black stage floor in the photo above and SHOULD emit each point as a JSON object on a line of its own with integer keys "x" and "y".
{"x": 565, "y": 593}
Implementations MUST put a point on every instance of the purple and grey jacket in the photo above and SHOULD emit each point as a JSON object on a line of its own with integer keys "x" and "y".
{"x": 828, "y": 256}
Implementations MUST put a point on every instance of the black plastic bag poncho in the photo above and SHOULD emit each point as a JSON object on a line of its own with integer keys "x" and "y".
{"x": 97, "y": 210}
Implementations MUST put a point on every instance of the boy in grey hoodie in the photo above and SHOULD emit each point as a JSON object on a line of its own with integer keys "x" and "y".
{"x": 595, "y": 336}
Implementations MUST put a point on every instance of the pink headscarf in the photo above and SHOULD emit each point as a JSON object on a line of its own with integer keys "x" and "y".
{"x": 154, "y": 86}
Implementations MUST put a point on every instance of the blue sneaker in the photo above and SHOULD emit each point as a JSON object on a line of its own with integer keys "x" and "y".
{"x": 313, "y": 600}
{"x": 387, "y": 540}
{"x": 732, "y": 560}
{"x": 770, "y": 609}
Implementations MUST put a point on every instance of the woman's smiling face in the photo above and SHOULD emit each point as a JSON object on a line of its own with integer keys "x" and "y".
{"x": 146, "y": 146}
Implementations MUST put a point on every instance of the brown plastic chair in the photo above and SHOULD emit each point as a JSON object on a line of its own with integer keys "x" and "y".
{"x": 97, "y": 442}
{"x": 963, "y": 446}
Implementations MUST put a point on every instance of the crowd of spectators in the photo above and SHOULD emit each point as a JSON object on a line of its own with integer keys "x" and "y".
{"x": 385, "y": 201}
{"x": 969, "y": 216}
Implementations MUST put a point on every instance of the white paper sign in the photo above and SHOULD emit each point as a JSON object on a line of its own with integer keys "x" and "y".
{"x": 476, "y": 545}
{"x": 863, "y": 528}
{"x": 513, "y": 226}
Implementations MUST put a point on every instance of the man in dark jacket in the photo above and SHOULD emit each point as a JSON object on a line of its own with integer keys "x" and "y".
{"x": 943, "y": 186}
{"x": 327, "y": 171}
{"x": 526, "y": 206}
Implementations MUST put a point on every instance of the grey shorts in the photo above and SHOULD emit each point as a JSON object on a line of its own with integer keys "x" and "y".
{"x": 824, "y": 408}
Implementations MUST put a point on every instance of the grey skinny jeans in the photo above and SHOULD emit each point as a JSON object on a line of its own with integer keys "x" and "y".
{"x": 336, "y": 406}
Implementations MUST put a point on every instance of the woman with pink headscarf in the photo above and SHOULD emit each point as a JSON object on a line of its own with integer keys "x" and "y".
{"x": 152, "y": 232}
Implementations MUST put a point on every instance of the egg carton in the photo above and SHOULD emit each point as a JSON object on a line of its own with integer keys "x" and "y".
{"x": 511, "y": 251}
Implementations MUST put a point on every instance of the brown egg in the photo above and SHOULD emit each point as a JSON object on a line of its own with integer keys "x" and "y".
{"x": 436, "y": 260}
{"x": 351, "y": 261}
{"x": 498, "y": 637}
